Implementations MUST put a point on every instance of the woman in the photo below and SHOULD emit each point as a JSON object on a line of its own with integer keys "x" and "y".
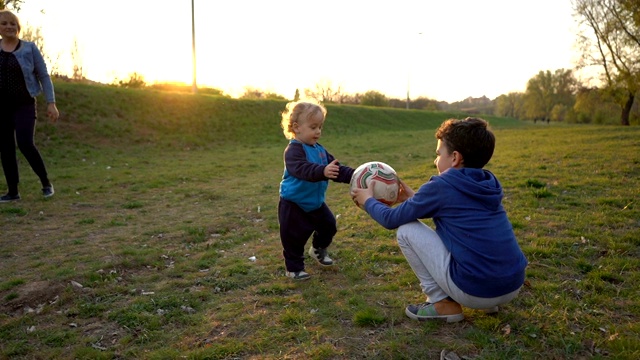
{"x": 23, "y": 76}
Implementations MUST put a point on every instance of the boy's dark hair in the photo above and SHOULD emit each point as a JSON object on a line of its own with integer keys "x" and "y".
{"x": 470, "y": 137}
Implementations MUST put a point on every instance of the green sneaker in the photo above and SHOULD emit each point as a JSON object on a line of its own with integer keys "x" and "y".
{"x": 426, "y": 311}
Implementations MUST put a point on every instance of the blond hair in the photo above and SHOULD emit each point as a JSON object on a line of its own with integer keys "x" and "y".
{"x": 298, "y": 112}
{"x": 12, "y": 16}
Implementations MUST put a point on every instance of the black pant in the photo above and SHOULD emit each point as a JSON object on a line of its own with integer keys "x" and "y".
{"x": 18, "y": 124}
{"x": 296, "y": 226}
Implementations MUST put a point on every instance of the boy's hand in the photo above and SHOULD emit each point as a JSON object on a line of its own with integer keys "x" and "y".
{"x": 360, "y": 196}
{"x": 332, "y": 170}
{"x": 404, "y": 192}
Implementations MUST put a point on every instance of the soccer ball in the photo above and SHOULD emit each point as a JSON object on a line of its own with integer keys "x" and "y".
{"x": 387, "y": 186}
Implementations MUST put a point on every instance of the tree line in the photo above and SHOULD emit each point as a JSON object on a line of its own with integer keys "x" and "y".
{"x": 558, "y": 96}
{"x": 549, "y": 96}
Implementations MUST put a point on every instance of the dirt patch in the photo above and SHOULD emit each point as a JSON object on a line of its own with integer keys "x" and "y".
{"x": 30, "y": 296}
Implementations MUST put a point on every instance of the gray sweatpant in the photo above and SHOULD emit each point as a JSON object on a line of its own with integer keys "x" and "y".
{"x": 429, "y": 259}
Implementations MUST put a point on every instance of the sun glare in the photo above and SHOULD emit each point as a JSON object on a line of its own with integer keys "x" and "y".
{"x": 287, "y": 45}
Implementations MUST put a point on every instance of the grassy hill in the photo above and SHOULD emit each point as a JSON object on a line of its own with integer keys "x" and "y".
{"x": 162, "y": 200}
{"x": 110, "y": 115}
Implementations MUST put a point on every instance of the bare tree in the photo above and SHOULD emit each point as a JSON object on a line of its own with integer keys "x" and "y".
{"x": 11, "y": 4}
{"x": 610, "y": 39}
{"x": 256, "y": 94}
{"x": 34, "y": 35}
{"x": 78, "y": 71}
{"x": 324, "y": 92}
{"x": 135, "y": 81}
{"x": 352, "y": 99}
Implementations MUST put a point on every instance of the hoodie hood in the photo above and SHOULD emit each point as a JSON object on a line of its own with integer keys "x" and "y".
{"x": 478, "y": 185}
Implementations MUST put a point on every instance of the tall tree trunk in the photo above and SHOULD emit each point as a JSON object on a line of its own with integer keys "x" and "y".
{"x": 626, "y": 109}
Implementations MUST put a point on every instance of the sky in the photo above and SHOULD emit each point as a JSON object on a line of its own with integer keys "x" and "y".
{"x": 443, "y": 50}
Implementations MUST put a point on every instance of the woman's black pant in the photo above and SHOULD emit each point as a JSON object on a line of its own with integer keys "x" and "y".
{"x": 17, "y": 126}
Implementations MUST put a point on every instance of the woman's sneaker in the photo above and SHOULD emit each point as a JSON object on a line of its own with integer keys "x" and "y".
{"x": 298, "y": 275}
{"x": 320, "y": 255}
{"x": 48, "y": 191}
{"x": 8, "y": 197}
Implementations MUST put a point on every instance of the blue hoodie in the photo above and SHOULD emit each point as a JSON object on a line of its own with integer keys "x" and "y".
{"x": 466, "y": 207}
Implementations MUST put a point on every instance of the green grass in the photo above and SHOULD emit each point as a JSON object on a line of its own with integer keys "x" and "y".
{"x": 162, "y": 198}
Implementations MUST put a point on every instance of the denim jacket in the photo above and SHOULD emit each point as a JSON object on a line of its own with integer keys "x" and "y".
{"x": 36, "y": 76}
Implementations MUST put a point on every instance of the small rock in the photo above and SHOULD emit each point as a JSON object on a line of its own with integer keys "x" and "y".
{"x": 188, "y": 309}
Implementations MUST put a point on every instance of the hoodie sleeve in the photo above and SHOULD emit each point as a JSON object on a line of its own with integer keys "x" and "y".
{"x": 40, "y": 70}
{"x": 424, "y": 204}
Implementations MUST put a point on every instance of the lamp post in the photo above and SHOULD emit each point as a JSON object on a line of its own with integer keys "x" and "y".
{"x": 193, "y": 48}
{"x": 408, "y": 86}
{"x": 409, "y": 80}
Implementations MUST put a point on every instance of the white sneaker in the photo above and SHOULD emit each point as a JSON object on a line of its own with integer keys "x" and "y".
{"x": 320, "y": 255}
{"x": 298, "y": 275}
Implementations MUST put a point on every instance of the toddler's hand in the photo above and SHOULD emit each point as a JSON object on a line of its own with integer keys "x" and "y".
{"x": 332, "y": 170}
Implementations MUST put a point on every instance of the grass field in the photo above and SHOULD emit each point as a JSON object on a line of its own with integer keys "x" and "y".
{"x": 162, "y": 198}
